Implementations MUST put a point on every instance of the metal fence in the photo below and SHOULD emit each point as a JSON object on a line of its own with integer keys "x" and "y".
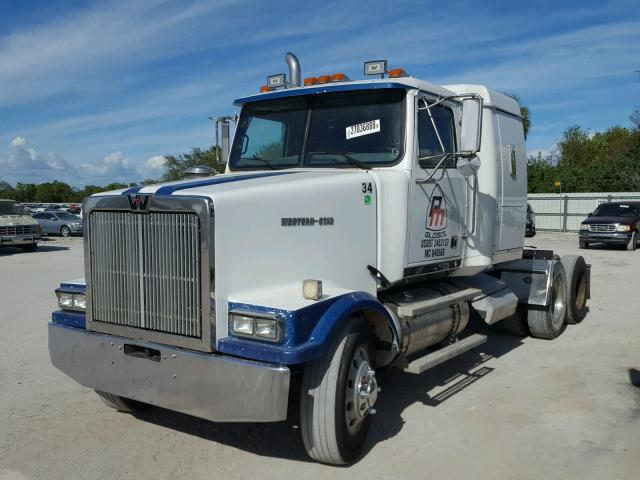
{"x": 564, "y": 212}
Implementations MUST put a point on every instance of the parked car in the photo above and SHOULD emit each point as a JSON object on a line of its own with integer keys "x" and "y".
{"x": 612, "y": 223}
{"x": 17, "y": 228}
{"x": 59, "y": 223}
{"x": 530, "y": 230}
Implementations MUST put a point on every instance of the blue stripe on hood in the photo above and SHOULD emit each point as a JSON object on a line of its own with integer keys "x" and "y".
{"x": 205, "y": 182}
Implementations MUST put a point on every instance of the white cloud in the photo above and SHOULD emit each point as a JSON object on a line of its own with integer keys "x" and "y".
{"x": 113, "y": 167}
{"x": 155, "y": 164}
{"x": 18, "y": 142}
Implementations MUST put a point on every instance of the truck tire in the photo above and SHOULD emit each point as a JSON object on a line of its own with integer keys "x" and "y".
{"x": 548, "y": 322}
{"x": 575, "y": 269}
{"x": 517, "y": 323}
{"x": 30, "y": 247}
{"x": 120, "y": 403}
{"x": 334, "y": 416}
{"x": 633, "y": 242}
{"x": 583, "y": 244}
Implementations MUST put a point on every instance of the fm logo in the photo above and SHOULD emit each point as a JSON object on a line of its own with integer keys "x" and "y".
{"x": 437, "y": 215}
{"x": 138, "y": 202}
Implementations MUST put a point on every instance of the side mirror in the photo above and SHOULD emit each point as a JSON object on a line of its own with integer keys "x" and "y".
{"x": 222, "y": 127}
{"x": 471, "y": 130}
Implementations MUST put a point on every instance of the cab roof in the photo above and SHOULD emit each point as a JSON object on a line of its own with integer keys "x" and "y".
{"x": 490, "y": 98}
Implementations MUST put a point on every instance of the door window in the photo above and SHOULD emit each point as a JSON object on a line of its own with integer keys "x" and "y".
{"x": 433, "y": 123}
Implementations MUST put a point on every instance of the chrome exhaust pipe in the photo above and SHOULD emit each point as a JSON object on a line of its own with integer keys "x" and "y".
{"x": 294, "y": 69}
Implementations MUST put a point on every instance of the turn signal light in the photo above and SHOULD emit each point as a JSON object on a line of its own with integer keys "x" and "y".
{"x": 397, "y": 72}
{"x": 310, "y": 81}
{"x": 324, "y": 79}
{"x": 264, "y": 89}
{"x": 339, "y": 77}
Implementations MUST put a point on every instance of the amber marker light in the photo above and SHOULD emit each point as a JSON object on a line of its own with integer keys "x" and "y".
{"x": 397, "y": 72}
{"x": 310, "y": 81}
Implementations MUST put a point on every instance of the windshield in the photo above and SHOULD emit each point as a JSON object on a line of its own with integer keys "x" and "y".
{"x": 346, "y": 129}
{"x": 67, "y": 216}
{"x": 10, "y": 208}
{"x": 615, "y": 210}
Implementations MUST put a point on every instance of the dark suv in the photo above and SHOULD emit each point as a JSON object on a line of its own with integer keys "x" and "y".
{"x": 612, "y": 223}
{"x": 530, "y": 229}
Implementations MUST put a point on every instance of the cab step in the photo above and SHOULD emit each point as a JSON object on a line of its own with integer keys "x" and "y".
{"x": 432, "y": 359}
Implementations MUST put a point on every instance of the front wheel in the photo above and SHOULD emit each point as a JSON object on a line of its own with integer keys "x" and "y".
{"x": 583, "y": 244}
{"x": 633, "y": 242}
{"x": 339, "y": 391}
{"x": 120, "y": 403}
{"x": 65, "y": 231}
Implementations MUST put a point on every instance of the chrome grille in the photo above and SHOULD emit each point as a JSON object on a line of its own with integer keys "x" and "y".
{"x": 19, "y": 230}
{"x": 602, "y": 228}
{"x": 145, "y": 270}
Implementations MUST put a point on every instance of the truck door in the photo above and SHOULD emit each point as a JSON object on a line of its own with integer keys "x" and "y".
{"x": 437, "y": 207}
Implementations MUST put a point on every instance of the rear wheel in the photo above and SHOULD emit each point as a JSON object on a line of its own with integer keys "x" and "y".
{"x": 575, "y": 269}
{"x": 339, "y": 391}
{"x": 65, "y": 231}
{"x": 633, "y": 242}
{"x": 548, "y": 322}
{"x": 120, "y": 403}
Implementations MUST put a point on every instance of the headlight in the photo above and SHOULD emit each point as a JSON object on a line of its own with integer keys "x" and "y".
{"x": 258, "y": 327}
{"x": 623, "y": 228}
{"x": 71, "y": 301}
{"x": 584, "y": 227}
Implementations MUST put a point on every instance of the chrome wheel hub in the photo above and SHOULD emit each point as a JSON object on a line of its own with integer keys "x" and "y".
{"x": 361, "y": 391}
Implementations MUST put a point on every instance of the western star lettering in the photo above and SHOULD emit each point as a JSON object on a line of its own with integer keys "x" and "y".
{"x": 306, "y": 221}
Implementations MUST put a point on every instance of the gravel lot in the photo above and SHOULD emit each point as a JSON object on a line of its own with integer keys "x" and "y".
{"x": 510, "y": 409}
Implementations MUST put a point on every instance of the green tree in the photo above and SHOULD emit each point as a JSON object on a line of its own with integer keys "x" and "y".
{"x": 524, "y": 113}
{"x": 7, "y": 191}
{"x": 177, "y": 164}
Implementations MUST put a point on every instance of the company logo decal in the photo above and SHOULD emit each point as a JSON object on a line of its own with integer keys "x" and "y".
{"x": 139, "y": 202}
{"x": 437, "y": 214}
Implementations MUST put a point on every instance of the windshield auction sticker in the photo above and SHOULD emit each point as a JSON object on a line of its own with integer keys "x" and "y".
{"x": 364, "y": 128}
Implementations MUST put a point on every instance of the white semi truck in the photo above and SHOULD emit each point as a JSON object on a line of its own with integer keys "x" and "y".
{"x": 358, "y": 227}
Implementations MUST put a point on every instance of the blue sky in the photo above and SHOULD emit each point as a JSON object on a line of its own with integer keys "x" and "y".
{"x": 95, "y": 92}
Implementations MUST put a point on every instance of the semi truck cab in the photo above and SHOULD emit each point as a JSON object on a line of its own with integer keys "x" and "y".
{"x": 358, "y": 226}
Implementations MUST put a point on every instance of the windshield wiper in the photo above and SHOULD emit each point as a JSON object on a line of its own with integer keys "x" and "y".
{"x": 353, "y": 161}
{"x": 266, "y": 162}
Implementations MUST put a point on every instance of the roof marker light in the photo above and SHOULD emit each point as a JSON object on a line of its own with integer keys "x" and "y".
{"x": 324, "y": 79}
{"x": 310, "y": 81}
{"x": 339, "y": 77}
{"x": 264, "y": 89}
{"x": 397, "y": 72}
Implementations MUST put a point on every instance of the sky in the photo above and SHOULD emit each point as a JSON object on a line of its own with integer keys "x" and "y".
{"x": 98, "y": 92}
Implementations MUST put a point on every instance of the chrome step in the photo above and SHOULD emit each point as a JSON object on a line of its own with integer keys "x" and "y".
{"x": 432, "y": 359}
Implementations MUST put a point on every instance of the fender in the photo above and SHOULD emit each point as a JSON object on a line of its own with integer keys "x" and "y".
{"x": 299, "y": 347}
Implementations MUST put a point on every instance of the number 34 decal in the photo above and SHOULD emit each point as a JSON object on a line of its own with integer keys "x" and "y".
{"x": 366, "y": 187}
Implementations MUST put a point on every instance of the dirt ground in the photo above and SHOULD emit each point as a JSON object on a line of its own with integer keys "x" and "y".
{"x": 511, "y": 408}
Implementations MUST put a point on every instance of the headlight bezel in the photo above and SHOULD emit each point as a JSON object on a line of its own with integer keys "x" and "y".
{"x": 584, "y": 227}
{"x": 75, "y": 300}
{"x": 259, "y": 322}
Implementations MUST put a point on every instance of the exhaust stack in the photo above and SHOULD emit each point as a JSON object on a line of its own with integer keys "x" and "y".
{"x": 294, "y": 69}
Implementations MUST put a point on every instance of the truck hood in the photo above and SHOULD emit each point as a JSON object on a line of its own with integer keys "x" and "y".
{"x": 233, "y": 182}
{"x": 609, "y": 220}
{"x": 13, "y": 220}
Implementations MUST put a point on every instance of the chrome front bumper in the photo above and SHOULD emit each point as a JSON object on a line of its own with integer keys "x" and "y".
{"x": 210, "y": 386}
{"x": 18, "y": 239}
